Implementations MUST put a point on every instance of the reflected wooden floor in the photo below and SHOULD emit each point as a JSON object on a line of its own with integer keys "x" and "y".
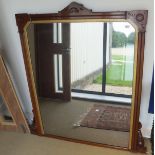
{"x": 61, "y": 119}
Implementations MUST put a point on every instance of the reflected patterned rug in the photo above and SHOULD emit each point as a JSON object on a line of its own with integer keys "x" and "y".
{"x": 108, "y": 118}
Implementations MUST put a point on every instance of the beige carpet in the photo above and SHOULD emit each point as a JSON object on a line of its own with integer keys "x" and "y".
{"x": 62, "y": 119}
{"x": 26, "y": 144}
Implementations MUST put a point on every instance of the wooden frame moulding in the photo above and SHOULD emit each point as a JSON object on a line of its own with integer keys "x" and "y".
{"x": 11, "y": 101}
{"x": 76, "y": 12}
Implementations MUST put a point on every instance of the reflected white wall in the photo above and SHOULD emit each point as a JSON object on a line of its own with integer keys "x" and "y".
{"x": 86, "y": 49}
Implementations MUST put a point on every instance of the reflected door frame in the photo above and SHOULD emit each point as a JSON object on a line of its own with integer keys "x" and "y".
{"x": 47, "y": 40}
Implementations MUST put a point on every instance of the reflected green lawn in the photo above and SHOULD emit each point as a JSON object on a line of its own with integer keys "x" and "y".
{"x": 119, "y": 73}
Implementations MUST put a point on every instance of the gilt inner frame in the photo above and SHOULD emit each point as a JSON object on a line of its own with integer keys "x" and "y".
{"x": 90, "y": 20}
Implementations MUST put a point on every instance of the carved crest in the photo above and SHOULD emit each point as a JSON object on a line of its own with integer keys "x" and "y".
{"x": 139, "y": 17}
{"x": 74, "y": 9}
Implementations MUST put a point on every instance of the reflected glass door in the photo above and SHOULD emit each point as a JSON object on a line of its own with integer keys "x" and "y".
{"x": 102, "y": 58}
{"x": 119, "y": 70}
{"x": 50, "y": 54}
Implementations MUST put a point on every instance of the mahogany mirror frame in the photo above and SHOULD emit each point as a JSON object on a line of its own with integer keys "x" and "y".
{"x": 76, "y": 11}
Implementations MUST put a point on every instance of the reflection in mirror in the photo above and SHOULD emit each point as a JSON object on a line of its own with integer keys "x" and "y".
{"x": 58, "y": 72}
{"x": 99, "y": 58}
{"x": 86, "y": 55}
{"x": 5, "y": 115}
{"x": 119, "y": 73}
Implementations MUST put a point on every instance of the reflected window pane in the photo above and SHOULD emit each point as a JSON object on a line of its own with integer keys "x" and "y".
{"x": 119, "y": 72}
{"x": 58, "y": 72}
{"x": 57, "y": 32}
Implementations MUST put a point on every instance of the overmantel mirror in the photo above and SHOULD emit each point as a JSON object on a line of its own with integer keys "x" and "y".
{"x": 84, "y": 72}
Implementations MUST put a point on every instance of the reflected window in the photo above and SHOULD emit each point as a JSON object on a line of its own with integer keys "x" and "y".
{"x": 102, "y": 58}
{"x": 119, "y": 73}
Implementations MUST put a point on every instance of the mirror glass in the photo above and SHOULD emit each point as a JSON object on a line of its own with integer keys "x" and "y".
{"x": 99, "y": 59}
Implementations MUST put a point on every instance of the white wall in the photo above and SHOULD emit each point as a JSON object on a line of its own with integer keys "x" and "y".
{"x": 12, "y": 48}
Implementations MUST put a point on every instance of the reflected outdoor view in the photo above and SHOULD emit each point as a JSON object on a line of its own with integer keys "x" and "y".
{"x": 99, "y": 64}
